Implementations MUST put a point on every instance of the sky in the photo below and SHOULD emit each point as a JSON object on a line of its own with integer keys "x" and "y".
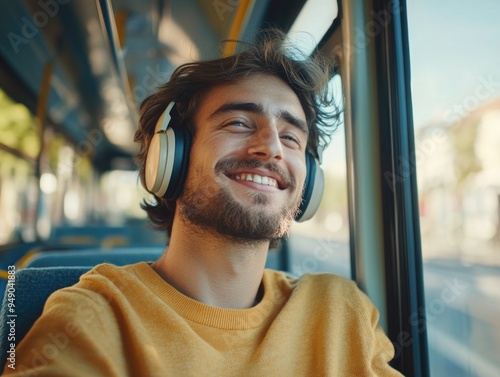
{"x": 455, "y": 56}
{"x": 455, "y": 63}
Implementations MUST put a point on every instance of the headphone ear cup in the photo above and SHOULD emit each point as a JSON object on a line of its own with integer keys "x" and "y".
{"x": 167, "y": 162}
{"x": 179, "y": 168}
{"x": 314, "y": 186}
{"x": 156, "y": 162}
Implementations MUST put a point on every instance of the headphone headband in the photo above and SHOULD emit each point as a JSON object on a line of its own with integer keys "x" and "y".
{"x": 165, "y": 118}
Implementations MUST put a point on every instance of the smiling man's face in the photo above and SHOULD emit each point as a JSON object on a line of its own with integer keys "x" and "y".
{"x": 247, "y": 165}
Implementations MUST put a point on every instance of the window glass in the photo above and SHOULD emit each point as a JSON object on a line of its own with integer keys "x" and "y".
{"x": 17, "y": 129}
{"x": 66, "y": 186}
{"x": 18, "y": 192}
{"x": 19, "y": 147}
{"x": 322, "y": 243}
{"x": 123, "y": 195}
{"x": 455, "y": 62}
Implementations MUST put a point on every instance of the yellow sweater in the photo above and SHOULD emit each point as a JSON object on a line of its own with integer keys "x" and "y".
{"x": 127, "y": 321}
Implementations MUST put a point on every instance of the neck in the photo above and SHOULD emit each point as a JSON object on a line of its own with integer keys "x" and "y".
{"x": 213, "y": 269}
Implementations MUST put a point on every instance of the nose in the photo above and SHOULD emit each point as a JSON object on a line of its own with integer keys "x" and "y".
{"x": 266, "y": 144}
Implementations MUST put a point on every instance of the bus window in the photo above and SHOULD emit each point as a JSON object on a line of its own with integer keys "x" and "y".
{"x": 16, "y": 127}
{"x": 122, "y": 194}
{"x": 322, "y": 243}
{"x": 17, "y": 202}
{"x": 19, "y": 146}
{"x": 455, "y": 63}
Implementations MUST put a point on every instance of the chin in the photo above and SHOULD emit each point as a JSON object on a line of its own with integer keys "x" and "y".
{"x": 258, "y": 216}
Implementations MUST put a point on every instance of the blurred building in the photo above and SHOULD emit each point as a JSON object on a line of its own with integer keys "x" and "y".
{"x": 459, "y": 183}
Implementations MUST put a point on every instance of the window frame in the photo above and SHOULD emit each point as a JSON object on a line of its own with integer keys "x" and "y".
{"x": 383, "y": 198}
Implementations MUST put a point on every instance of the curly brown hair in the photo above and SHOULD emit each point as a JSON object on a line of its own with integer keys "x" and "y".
{"x": 271, "y": 53}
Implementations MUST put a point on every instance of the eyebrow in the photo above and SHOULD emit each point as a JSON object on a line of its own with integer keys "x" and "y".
{"x": 259, "y": 109}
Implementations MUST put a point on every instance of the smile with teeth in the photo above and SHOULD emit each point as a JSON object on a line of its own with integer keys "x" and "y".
{"x": 262, "y": 180}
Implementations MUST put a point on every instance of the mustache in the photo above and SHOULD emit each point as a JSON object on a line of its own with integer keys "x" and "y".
{"x": 235, "y": 163}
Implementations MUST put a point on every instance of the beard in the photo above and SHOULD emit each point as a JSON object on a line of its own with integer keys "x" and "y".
{"x": 213, "y": 207}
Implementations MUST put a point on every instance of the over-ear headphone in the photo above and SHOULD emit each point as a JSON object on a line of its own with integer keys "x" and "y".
{"x": 168, "y": 160}
{"x": 168, "y": 156}
{"x": 314, "y": 186}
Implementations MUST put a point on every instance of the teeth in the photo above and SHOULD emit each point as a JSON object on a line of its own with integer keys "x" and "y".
{"x": 267, "y": 181}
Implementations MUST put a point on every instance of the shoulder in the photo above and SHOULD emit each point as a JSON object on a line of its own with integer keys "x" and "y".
{"x": 327, "y": 280}
{"x": 331, "y": 292}
{"x": 110, "y": 270}
{"x": 325, "y": 284}
{"x": 110, "y": 275}
{"x": 99, "y": 285}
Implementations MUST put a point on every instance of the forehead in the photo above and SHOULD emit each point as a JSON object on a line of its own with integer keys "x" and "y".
{"x": 270, "y": 92}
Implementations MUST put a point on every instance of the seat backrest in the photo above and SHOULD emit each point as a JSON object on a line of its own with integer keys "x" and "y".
{"x": 32, "y": 287}
{"x": 92, "y": 257}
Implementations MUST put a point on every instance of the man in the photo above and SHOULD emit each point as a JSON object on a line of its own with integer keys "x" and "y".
{"x": 224, "y": 148}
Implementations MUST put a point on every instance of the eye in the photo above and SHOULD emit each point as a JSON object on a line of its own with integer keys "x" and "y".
{"x": 291, "y": 140}
{"x": 237, "y": 125}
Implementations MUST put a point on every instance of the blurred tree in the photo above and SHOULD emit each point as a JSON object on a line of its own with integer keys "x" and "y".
{"x": 464, "y": 134}
{"x": 17, "y": 129}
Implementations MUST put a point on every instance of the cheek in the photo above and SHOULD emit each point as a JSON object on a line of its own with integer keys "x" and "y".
{"x": 201, "y": 154}
{"x": 203, "y": 158}
{"x": 206, "y": 148}
{"x": 303, "y": 179}
{"x": 299, "y": 171}
{"x": 197, "y": 167}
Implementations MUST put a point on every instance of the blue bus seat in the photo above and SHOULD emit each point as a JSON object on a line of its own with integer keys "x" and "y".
{"x": 18, "y": 255}
{"x": 105, "y": 236}
{"x": 49, "y": 271}
{"x": 32, "y": 288}
{"x": 92, "y": 257}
